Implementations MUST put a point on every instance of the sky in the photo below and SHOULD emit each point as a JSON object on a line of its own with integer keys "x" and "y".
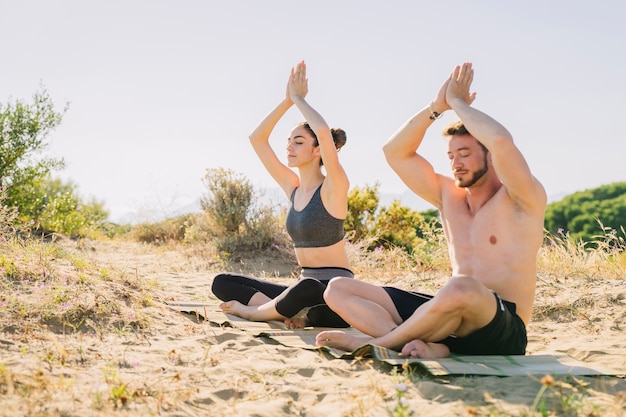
{"x": 160, "y": 91}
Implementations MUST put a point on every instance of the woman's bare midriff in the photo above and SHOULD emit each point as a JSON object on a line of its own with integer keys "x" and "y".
{"x": 327, "y": 256}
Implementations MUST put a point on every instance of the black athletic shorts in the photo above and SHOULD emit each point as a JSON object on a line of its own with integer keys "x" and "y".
{"x": 504, "y": 335}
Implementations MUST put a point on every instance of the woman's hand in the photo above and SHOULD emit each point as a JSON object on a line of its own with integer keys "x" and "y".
{"x": 297, "y": 87}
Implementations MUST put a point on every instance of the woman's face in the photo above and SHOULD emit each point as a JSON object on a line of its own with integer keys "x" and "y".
{"x": 300, "y": 148}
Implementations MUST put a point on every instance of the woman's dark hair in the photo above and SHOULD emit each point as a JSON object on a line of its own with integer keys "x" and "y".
{"x": 339, "y": 137}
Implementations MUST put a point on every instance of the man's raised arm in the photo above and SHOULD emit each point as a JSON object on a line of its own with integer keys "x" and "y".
{"x": 401, "y": 151}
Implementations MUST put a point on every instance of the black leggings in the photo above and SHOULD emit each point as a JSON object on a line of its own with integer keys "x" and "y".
{"x": 306, "y": 294}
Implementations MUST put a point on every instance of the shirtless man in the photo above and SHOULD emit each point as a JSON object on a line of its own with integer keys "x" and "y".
{"x": 492, "y": 212}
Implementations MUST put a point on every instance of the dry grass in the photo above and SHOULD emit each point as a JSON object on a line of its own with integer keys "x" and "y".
{"x": 45, "y": 284}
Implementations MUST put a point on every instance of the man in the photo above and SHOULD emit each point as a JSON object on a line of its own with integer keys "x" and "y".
{"x": 492, "y": 212}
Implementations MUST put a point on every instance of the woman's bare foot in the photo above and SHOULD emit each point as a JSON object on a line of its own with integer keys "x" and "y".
{"x": 341, "y": 340}
{"x": 424, "y": 350}
{"x": 265, "y": 312}
{"x": 235, "y": 308}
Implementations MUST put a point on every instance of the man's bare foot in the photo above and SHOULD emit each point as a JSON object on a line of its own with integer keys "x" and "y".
{"x": 296, "y": 323}
{"x": 425, "y": 350}
{"x": 341, "y": 340}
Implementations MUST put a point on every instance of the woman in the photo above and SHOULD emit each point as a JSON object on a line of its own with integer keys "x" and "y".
{"x": 319, "y": 205}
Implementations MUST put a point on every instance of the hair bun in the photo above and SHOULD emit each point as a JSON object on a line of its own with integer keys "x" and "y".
{"x": 339, "y": 137}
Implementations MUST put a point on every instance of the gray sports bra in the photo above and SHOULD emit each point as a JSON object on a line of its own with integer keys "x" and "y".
{"x": 313, "y": 226}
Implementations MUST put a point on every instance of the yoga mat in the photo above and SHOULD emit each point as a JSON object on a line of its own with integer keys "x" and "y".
{"x": 492, "y": 365}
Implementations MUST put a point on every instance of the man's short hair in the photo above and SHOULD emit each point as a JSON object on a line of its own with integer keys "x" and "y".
{"x": 455, "y": 129}
{"x": 458, "y": 129}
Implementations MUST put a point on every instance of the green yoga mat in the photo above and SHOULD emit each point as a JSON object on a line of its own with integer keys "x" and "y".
{"x": 493, "y": 365}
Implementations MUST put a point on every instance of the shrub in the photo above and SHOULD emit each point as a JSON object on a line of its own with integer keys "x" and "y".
{"x": 392, "y": 226}
{"x": 236, "y": 220}
{"x": 397, "y": 225}
{"x": 67, "y": 213}
{"x": 362, "y": 207}
{"x": 168, "y": 230}
{"x": 229, "y": 198}
{"x": 54, "y": 206}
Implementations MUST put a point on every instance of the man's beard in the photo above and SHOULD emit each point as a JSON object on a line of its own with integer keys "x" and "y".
{"x": 476, "y": 175}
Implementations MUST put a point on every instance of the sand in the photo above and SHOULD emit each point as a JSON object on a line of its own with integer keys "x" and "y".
{"x": 172, "y": 364}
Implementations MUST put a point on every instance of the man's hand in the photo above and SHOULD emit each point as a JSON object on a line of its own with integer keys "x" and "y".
{"x": 458, "y": 85}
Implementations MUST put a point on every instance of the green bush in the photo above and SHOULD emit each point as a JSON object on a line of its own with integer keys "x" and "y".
{"x": 392, "y": 226}
{"x": 588, "y": 215}
{"x": 397, "y": 225}
{"x": 64, "y": 212}
{"x": 362, "y": 207}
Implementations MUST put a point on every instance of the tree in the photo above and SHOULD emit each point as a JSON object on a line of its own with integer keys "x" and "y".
{"x": 24, "y": 129}
{"x": 44, "y": 204}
